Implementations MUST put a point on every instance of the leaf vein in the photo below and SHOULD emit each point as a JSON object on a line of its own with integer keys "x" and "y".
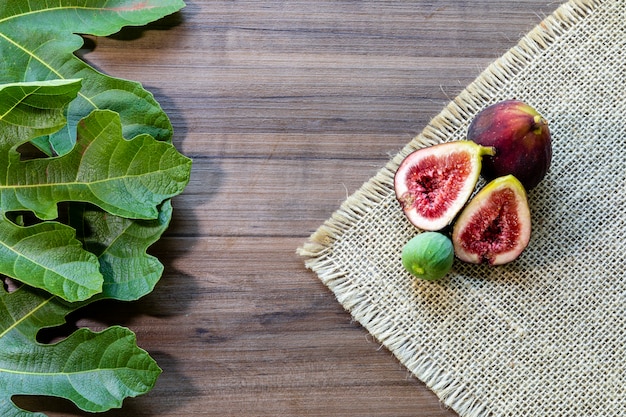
{"x": 32, "y": 55}
{"x": 25, "y": 317}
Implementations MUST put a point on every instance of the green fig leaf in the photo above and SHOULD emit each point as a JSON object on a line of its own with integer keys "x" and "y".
{"x": 96, "y": 371}
{"x": 48, "y": 255}
{"x": 38, "y": 39}
{"x": 121, "y": 246}
{"x": 127, "y": 178}
{"x": 29, "y": 109}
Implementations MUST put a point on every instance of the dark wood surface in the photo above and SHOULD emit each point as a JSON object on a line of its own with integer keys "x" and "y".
{"x": 286, "y": 108}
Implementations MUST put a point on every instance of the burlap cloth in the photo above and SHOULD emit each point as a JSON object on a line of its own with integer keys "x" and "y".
{"x": 546, "y": 334}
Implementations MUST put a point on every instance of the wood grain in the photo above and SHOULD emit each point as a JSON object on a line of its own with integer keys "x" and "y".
{"x": 286, "y": 107}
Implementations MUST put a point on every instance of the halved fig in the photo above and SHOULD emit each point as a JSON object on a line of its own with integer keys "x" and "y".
{"x": 433, "y": 184}
{"x": 495, "y": 226}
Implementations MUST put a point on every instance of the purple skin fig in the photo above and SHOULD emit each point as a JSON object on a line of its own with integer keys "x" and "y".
{"x": 521, "y": 138}
{"x": 495, "y": 226}
{"x": 433, "y": 184}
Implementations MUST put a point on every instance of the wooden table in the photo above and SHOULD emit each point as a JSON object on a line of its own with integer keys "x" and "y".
{"x": 286, "y": 108}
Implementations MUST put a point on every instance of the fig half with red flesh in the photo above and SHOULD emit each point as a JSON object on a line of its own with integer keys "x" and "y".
{"x": 433, "y": 184}
{"x": 521, "y": 137}
{"x": 495, "y": 226}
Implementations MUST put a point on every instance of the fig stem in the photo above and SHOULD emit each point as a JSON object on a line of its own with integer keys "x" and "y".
{"x": 488, "y": 150}
{"x": 538, "y": 123}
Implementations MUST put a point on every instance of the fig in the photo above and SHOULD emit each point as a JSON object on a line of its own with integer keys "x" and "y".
{"x": 494, "y": 228}
{"x": 428, "y": 255}
{"x": 521, "y": 138}
{"x": 433, "y": 184}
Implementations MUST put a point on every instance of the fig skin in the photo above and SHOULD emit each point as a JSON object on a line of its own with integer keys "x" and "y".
{"x": 495, "y": 226}
{"x": 428, "y": 256}
{"x": 521, "y": 138}
{"x": 433, "y": 184}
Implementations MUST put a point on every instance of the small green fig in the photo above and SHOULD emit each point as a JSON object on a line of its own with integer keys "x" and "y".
{"x": 428, "y": 255}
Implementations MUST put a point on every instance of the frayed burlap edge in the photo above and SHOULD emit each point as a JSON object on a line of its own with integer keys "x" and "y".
{"x": 318, "y": 249}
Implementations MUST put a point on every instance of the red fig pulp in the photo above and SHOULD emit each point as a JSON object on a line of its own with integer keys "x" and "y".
{"x": 433, "y": 184}
{"x": 521, "y": 138}
{"x": 495, "y": 226}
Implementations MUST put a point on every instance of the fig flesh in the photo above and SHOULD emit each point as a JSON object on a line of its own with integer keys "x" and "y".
{"x": 521, "y": 138}
{"x": 433, "y": 184}
{"x": 495, "y": 226}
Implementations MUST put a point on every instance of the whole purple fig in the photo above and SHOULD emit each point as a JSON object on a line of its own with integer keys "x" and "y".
{"x": 521, "y": 138}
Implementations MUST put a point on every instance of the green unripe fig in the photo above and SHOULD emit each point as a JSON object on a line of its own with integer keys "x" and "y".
{"x": 428, "y": 255}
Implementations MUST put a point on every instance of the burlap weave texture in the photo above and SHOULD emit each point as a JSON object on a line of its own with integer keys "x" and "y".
{"x": 546, "y": 334}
